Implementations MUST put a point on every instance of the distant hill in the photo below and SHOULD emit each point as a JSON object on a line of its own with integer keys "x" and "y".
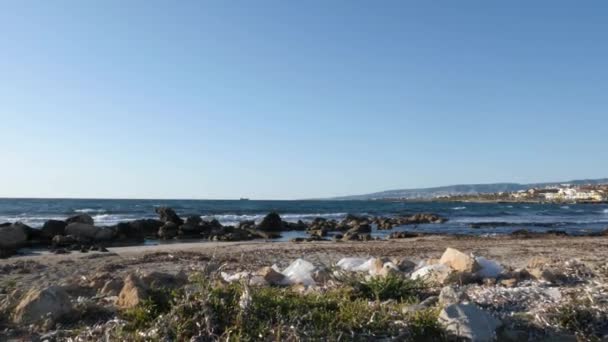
{"x": 463, "y": 189}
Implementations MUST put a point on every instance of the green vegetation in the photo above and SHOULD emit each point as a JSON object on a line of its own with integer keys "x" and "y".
{"x": 237, "y": 312}
{"x": 580, "y": 316}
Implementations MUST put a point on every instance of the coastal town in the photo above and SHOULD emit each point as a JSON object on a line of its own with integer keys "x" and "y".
{"x": 563, "y": 193}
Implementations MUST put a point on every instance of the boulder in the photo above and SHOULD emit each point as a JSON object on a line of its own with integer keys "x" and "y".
{"x": 189, "y": 230}
{"x": 271, "y": 276}
{"x": 468, "y": 322}
{"x": 52, "y": 228}
{"x": 423, "y": 218}
{"x": 459, "y": 261}
{"x": 403, "y": 235}
{"x": 82, "y": 218}
{"x": 63, "y": 240}
{"x": 194, "y": 220}
{"x": 164, "y": 280}
{"x": 361, "y": 228}
{"x": 169, "y": 215}
{"x": 246, "y": 224}
{"x": 82, "y": 231}
{"x": 38, "y": 305}
{"x": 133, "y": 292}
{"x": 104, "y": 234}
{"x": 12, "y": 238}
{"x": 145, "y": 227}
{"x": 271, "y": 222}
{"x": 541, "y": 268}
{"x": 168, "y": 231}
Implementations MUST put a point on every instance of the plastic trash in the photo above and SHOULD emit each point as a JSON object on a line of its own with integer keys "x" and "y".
{"x": 232, "y": 278}
{"x": 430, "y": 271}
{"x": 351, "y": 264}
{"x": 299, "y": 272}
{"x": 489, "y": 268}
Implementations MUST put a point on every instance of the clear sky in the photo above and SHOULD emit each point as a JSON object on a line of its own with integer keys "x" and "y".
{"x": 297, "y": 99}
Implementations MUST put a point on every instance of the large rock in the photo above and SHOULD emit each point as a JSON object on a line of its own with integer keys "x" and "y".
{"x": 104, "y": 234}
{"x": 133, "y": 292}
{"x": 450, "y": 295}
{"x": 168, "y": 231}
{"x": 423, "y": 218}
{"x": 146, "y": 227}
{"x": 271, "y": 276}
{"x": 82, "y": 218}
{"x": 542, "y": 268}
{"x": 82, "y": 231}
{"x": 272, "y": 222}
{"x": 459, "y": 261}
{"x": 169, "y": 215}
{"x": 468, "y": 322}
{"x": 13, "y": 236}
{"x": 37, "y": 305}
{"x": 52, "y": 228}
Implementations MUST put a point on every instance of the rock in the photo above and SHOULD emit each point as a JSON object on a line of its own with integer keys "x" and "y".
{"x": 189, "y": 230}
{"x": 272, "y": 222}
{"x": 82, "y": 218}
{"x": 425, "y": 304}
{"x": 38, "y": 305}
{"x": 271, "y": 276}
{"x": 246, "y": 224}
{"x": 82, "y": 231}
{"x": 52, "y": 228}
{"x": 264, "y": 235}
{"x": 423, "y": 218}
{"x": 459, "y": 261}
{"x": 450, "y": 295}
{"x": 63, "y": 240}
{"x": 437, "y": 273}
{"x": 467, "y": 321}
{"x": 164, "y": 280}
{"x": 361, "y": 229}
{"x": 133, "y": 292}
{"x": 145, "y": 227}
{"x": 194, "y": 220}
{"x": 403, "y": 235}
{"x": 404, "y": 264}
{"x": 104, "y": 234}
{"x": 168, "y": 231}
{"x": 12, "y": 238}
{"x": 168, "y": 215}
{"x": 299, "y": 226}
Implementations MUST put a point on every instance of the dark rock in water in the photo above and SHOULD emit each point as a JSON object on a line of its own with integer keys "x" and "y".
{"x": 82, "y": 218}
{"x": 403, "y": 235}
{"x": 557, "y": 232}
{"x": 263, "y": 235}
{"x": 194, "y": 220}
{"x": 82, "y": 231}
{"x": 147, "y": 227}
{"x": 63, "y": 240}
{"x": 190, "y": 231}
{"x": 423, "y": 218}
{"x": 52, "y": 228}
{"x": 12, "y": 238}
{"x": 60, "y": 251}
{"x": 168, "y": 231}
{"x": 213, "y": 224}
{"x": 364, "y": 228}
{"x": 84, "y": 249}
{"x": 272, "y": 223}
{"x": 168, "y": 215}
{"x": 5, "y": 224}
{"x": 299, "y": 226}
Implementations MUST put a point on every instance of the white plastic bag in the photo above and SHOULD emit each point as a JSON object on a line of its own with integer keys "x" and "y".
{"x": 299, "y": 272}
{"x": 489, "y": 268}
{"x": 354, "y": 264}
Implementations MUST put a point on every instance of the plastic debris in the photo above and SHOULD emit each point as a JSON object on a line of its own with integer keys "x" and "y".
{"x": 489, "y": 268}
{"x": 299, "y": 272}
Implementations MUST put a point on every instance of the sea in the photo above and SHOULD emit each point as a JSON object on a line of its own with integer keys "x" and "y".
{"x": 463, "y": 218}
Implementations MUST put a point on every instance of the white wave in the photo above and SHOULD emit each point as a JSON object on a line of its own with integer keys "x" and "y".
{"x": 459, "y": 208}
{"x": 565, "y": 207}
{"x": 605, "y": 211}
{"x": 234, "y": 219}
{"x": 90, "y": 211}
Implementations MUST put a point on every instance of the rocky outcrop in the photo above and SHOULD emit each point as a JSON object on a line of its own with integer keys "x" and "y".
{"x": 468, "y": 322}
{"x": 38, "y": 305}
{"x": 12, "y": 237}
{"x": 168, "y": 231}
{"x": 82, "y": 218}
{"x": 271, "y": 223}
{"x": 168, "y": 215}
{"x": 52, "y": 228}
{"x": 82, "y": 231}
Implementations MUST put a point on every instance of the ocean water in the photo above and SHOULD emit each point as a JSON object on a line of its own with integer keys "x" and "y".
{"x": 572, "y": 218}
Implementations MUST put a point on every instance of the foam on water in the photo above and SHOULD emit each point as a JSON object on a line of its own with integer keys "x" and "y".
{"x": 90, "y": 211}
{"x": 234, "y": 219}
{"x": 459, "y": 208}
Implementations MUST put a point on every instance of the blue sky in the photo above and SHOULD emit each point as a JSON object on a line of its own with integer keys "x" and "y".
{"x": 297, "y": 99}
